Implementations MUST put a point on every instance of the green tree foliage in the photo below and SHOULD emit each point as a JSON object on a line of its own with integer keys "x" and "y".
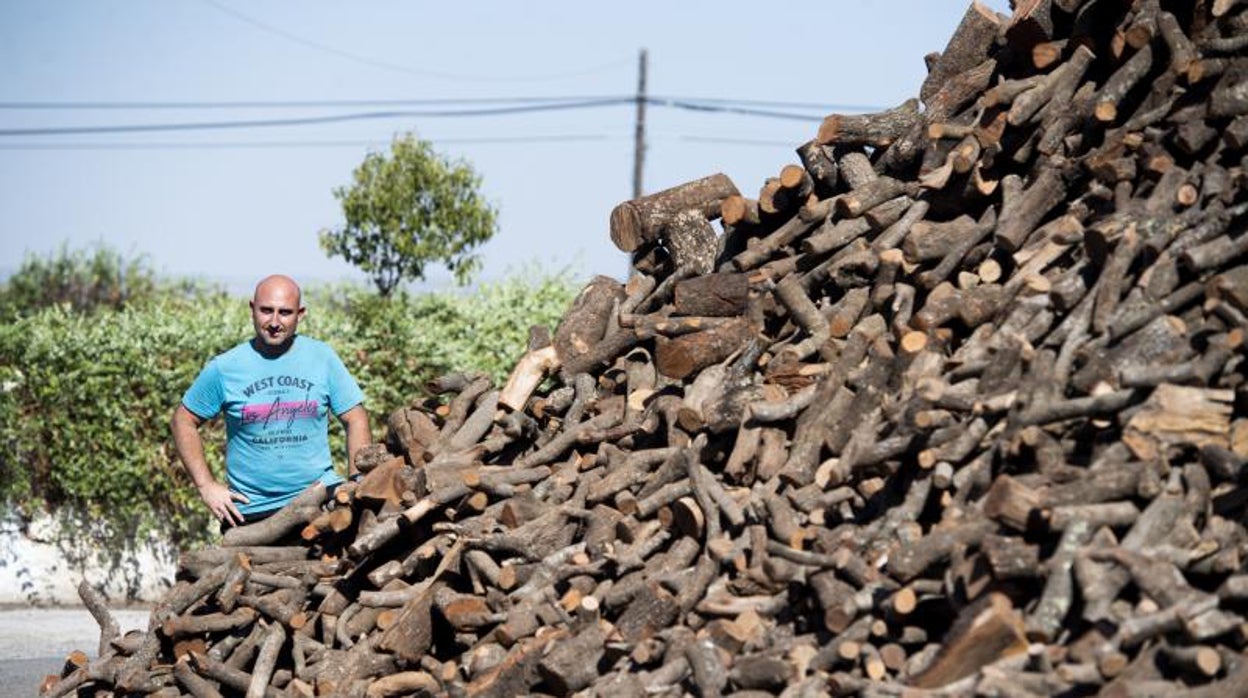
{"x": 407, "y": 210}
{"x": 85, "y": 399}
{"x": 84, "y": 280}
{"x": 88, "y": 280}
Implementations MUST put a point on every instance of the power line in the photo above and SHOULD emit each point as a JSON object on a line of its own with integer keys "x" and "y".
{"x": 291, "y": 104}
{"x": 735, "y": 141}
{"x": 243, "y": 145}
{"x": 826, "y": 106}
{"x": 394, "y": 114}
{"x": 443, "y": 101}
{"x": 744, "y": 111}
{"x": 364, "y": 60}
{"x": 306, "y": 121}
{"x": 357, "y": 143}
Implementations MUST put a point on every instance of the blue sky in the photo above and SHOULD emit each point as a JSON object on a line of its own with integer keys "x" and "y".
{"x": 234, "y": 204}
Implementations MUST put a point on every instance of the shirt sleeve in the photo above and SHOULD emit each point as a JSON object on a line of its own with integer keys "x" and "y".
{"x": 344, "y": 392}
{"x": 206, "y": 395}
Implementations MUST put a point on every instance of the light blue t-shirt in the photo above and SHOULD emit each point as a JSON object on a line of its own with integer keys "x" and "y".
{"x": 276, "y": 417}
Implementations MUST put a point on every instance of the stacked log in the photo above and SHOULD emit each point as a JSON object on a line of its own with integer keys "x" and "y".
{"x": 954, "y": 407}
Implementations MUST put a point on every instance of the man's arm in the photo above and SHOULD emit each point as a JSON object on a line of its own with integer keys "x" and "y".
{"x": 358, "y": 435}
{"x": 219, "y": 499}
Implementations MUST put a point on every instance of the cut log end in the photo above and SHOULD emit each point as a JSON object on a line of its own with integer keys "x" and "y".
{"x": 626, "y": 228}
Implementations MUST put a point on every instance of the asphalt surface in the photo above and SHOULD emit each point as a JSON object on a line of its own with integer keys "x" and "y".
{"x": 35, "y": 641}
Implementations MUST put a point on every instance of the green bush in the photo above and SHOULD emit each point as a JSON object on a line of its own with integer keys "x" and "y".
{"x": 86, "y": 280}
{"x": 81, "y": 279}
{"x": 85, "y": 399}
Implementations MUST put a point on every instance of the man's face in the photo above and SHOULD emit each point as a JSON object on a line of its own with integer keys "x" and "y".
{"x": 275, "y": 312}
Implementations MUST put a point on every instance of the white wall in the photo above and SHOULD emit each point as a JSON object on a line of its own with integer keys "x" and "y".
{"x": 42, "y": 561}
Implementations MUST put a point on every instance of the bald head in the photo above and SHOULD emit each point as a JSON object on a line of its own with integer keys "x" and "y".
{"x": 278, "y": 283}
{"x": 276, "y": 309}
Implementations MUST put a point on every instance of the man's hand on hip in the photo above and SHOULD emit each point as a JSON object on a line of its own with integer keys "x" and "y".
{"x": 220, "y": 501}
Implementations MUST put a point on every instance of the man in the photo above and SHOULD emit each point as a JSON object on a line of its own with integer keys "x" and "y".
{"x": 276, "y": 391}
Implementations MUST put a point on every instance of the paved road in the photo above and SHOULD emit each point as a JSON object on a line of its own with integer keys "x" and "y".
{"x": 35, "y": 641}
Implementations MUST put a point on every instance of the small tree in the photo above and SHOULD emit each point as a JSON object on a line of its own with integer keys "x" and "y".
{"x": 409, "y": 209}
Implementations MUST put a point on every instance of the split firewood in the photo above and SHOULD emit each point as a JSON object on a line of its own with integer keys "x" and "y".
{"x": 984, "y": 633}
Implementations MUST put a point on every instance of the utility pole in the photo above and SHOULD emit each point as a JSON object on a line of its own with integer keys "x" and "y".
{"x": 639, "y": 137}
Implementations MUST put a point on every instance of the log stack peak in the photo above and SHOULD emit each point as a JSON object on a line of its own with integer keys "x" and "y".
{"x": 954, "y": 406}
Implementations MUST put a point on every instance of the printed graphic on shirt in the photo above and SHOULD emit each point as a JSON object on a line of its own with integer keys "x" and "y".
{"x": 274, "y": 422}
{"x": 277, "y": 411}
{"x": 279, "y": 381}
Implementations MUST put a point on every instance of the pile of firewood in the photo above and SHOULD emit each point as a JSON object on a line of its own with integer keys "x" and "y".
{"x": 954, "y": 406}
